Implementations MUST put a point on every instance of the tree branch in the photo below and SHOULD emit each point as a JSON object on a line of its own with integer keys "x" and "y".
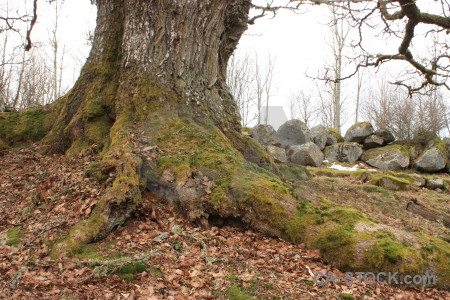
{"x": 33, "y": 22}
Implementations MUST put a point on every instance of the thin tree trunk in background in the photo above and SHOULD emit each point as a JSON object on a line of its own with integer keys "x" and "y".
{"x": 20, "y": 82}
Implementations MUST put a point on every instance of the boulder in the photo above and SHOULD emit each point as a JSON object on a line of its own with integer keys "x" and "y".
{"x": 392, "y": 157}
{"x": 435, "y": 183}
{"x": 434, "y": 158}
{"x": 387, "y": 136}
{"x": 265, "y": 135}
{"x": 418, "y": 180}
{"x": 335, "y": 137}
{"x": 343, "y": 152}
{"x": 358, "y": 132}
{"x": 293, "y": 132}
{"x": 373, "y": 141}
{"x": 393, "y": 183}
{"x": 278, "y": 154}
{"x": 308, "y": 154}
{"x": 321, "y": 136}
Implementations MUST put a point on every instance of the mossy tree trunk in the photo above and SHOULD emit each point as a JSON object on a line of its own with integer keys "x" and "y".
{"x": 152, "y": 100}
{"x": 150, "y": 60}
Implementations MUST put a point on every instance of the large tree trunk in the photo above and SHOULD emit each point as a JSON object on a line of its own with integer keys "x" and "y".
{"x": 156, "y": 76}
{"x": 153, "y": 102}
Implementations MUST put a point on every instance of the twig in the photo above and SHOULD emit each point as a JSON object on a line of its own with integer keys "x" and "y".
{"x": 42, "y": 232}
{"x": 209, "y": 260}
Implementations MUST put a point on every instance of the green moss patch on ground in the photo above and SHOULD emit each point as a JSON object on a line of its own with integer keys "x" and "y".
{"x": 128, "y": 272}
{"x": 235, "y": 293}
{"x": 13, "y": 236}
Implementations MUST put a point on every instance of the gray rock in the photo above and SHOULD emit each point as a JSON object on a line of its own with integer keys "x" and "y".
{"x": 320, "y": 135}
{"x": 373, "y": 141}
{"x": 433, "y": 159}
{"x": 387, "y": 158}
{"x": 343, "y": 152}
{"x": 392, "y": 183}
{"x": 331, "y": 140}
{"x": 308, "y": 154}
{"x": 387, "y": 136}
{"x": 293, "y": 132}
{"x": 278, "y": 154}
{"x": 335, "y": 137}
{"x": 418, "y": 181}
{"x": 265, "y": 135}
{"x": 435, "y": 183}
{"x": 358, "y": 132}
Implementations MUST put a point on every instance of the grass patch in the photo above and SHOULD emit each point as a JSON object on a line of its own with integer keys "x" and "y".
{"x": 235, "y": 293}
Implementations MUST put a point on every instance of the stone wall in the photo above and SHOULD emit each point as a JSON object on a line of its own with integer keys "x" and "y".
{"x": 296, "y": 143}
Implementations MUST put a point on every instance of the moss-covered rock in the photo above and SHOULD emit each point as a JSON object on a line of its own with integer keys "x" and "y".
{"x": 392, "y": 157}
{"x": 336, "y": 135}
{"x": 358, "y": 132}
{"x": 434, "y": 158}
{"x": 394, "y": 183}
{"x": 21, "y": 128}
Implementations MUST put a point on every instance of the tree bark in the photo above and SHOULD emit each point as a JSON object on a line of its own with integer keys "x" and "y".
{"x": 153, "y": 66}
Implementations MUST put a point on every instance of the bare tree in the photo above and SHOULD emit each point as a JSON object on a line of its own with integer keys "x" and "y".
{"x": 332, "y": 73}
{"x": 37, "y": 88}
{"x": 263, "y": 86}
{"x": 240, "y": 79}
{"x": 419, "y": 116}
{"x": 302, "y": 107}
{"x": 57, "y": 57}
{"x": 359, "y": 85}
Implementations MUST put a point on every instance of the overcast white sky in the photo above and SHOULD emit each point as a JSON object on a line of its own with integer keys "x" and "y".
{"x": 296, "y": 42}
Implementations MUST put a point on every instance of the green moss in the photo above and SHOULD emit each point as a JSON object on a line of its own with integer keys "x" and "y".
{"x": 93, "y": 170}
{"x": 94, "y": 108}
{"x": 359, "y": 174}
{"x": 293, "y": 172}
{"x": 375, "y": 152}
{"x": 77, "y": 147}
{"x": 79, "y": 236}
{"x": 128, "y": 272}
{"x": 345, "y": 296}
{"x": 235, "y": 293}
{"x": 308, "y": 282}
{"x": 337, "y": 245}
{"x": 394, "y": 183}
{"x": 255, "y": 152}
{"x": 347, "y": 216}
{"x": 391, "y": 255}
{"x": 247, "y": 130}
{"x": 436, "y": 251}
{"x": 13, "y": 236}
{"x": 88, "y": 252}
{"x": 20, "y": 128}
{"x": 369, "y": 188}
{"x": 336, "y": 134}
{"x": 440, "y": 144}
{"x": 97, "y": 131}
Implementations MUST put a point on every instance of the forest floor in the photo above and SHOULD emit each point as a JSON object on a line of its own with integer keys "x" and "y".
{"x": 159, "y": 255}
